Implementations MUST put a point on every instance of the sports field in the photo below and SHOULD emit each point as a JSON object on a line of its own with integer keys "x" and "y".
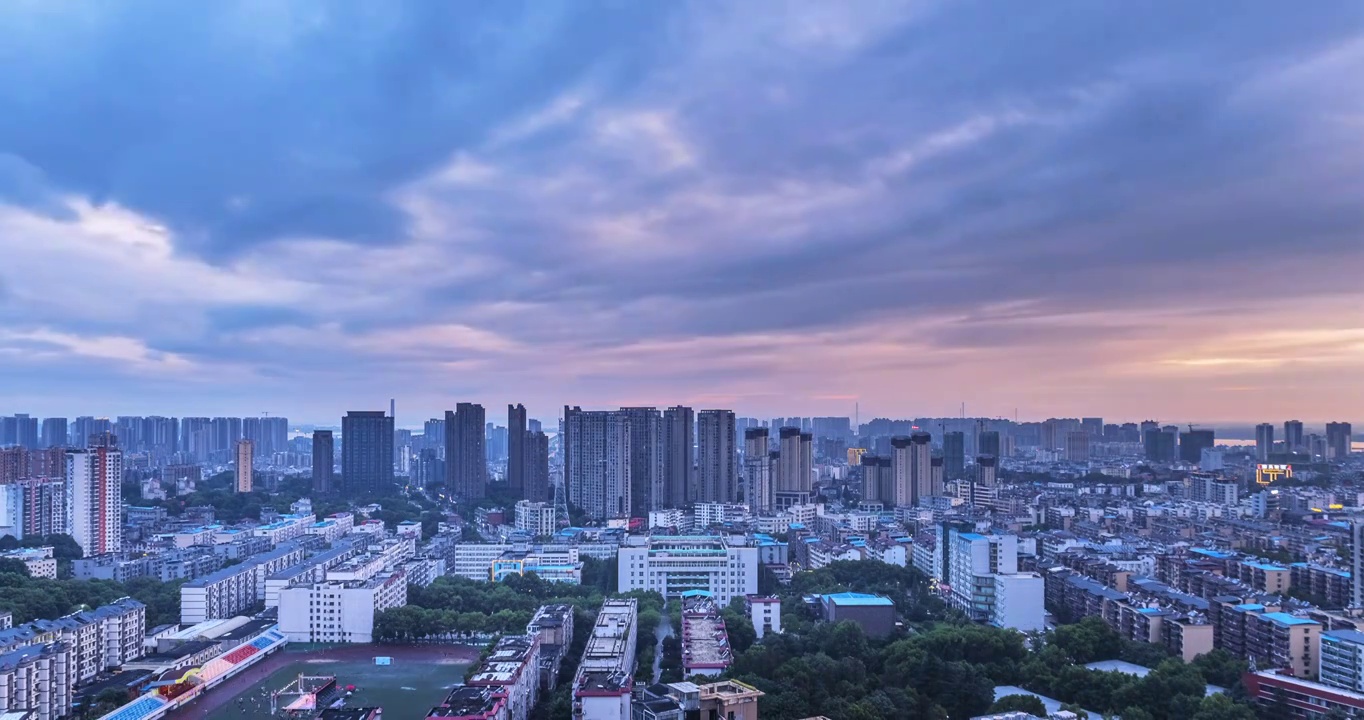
{"x": 418, "y": 678}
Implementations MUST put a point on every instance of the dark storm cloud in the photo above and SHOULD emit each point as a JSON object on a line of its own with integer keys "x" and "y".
{"x": 238, "y": 123}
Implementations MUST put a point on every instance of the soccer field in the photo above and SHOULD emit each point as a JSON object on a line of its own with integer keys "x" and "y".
{"x": 407, "y": 688}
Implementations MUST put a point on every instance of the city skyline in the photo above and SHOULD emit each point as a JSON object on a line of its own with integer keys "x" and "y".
{"x": 417, "y": 421}
{"x": 746, "y": 207}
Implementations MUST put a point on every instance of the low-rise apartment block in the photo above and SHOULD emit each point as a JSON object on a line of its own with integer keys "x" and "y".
{"x": 553, "y": 628}
{"x": 601, "y": 689}
{"x": 705, "y": 643}
{"x": 513, "y": 672}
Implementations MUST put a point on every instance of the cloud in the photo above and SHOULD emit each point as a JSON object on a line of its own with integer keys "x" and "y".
{"x": 781, "y": 206}
{"x": 122, "y": 352}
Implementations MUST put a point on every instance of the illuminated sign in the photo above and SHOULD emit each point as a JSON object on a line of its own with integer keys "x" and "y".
{"x": 1266, "y": 474}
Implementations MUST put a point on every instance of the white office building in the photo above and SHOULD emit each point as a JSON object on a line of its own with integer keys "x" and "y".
{"x": 39, "y": 561}
{"x": 674, "y": 564}
{"x": 1020, "y": 602}
{"x": 765, "y": 613}
{"x": 535, "y": 518}
{"x": 339, "y": 611}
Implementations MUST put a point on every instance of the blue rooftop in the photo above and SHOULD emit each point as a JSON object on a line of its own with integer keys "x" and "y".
{"x": 1283, "y": 618}
{"x": 971, "y": 536}
{"x": 1250, "y": 606}
{"x": 858, "y": 599}
{"x": 1264, "y": 566}
{"x": 1351, "y": 636}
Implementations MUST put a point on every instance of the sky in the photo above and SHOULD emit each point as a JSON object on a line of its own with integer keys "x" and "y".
{"x": 1135, "y": 210}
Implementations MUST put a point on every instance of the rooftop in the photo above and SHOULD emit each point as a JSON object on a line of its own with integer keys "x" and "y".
{"x": 1350, "y": 636}
{"x": 1283, "y": 618}
{"x": 857, "y": 599}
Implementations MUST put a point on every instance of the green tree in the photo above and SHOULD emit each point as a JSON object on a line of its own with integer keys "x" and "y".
{"x": 1019, "y": 703}
{"x": 1221, "y": 707}
{"x": 16, "y": 567}
{"x": 1088, "y": 641}
{"x": 1220, "y": 667}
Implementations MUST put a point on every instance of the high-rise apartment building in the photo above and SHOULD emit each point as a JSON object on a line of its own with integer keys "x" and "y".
{"x": 196, "y": 437}
{"x": 597, "y": 466}
{"x": 1192, "y": 443}
{"x": 758, "y": 492}
{"x": 54, "y": 432}
{"x": 1264, "y": 441}
{"x": 226, "y": 431}
{"x": 1357, "y": 562}
{"x": 795, "y": 465}
{"x": 324, "y": 459}
{"x": 1338, "y": 438}
{"x": 1292, "y": 436}
{"x": 878, "y": 480}
{"x": 26, "y": 430}
{"x": 1094, "y": 426}
{"x": 954, "y": 455}
{"x": 86, "y": 427}
{"x": 985, "y": 486}
{"x": 244, "y": 456}
{"x": 466, "y": 455}
{"x": 516, "y": 442}
{"x": 988, "y": 443}
{"x": 646, "y": 459}
{"x": 268, "y": 435}
{"x": 912, "y": 465}
{"x": 679, "y": 472}
{"x": 715, "y": 457}
{"x": 1159, "y": 445}
{"x": 535, "y": 466}
{"x": 94, "y": 499}
{"x": 366, "y": 452}
{"x": 1077, "y": 446}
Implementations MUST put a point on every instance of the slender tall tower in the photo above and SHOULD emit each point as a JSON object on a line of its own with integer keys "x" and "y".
{"x": 790, "y": 478}
{"x": 954, "y": 454}
{"x": 1292, "y": 435}
{"x": 912, "y": 463}
{"x": 901, "y": 465}
{"x": 94, "y": 499}
{"x": 516, "y": 449}
{"x": 245, "y": 448}
{"x": 324, "y": 462}
{"x": 535, "y": 466}
{"x": 758, "y": 471}
{"x": 715, "y": 455}
{"x": 645, "y": 448}
{"x": 679, "y": 474}
{"x": 871, "y": 479}
{"x": 1264, "y": 441}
